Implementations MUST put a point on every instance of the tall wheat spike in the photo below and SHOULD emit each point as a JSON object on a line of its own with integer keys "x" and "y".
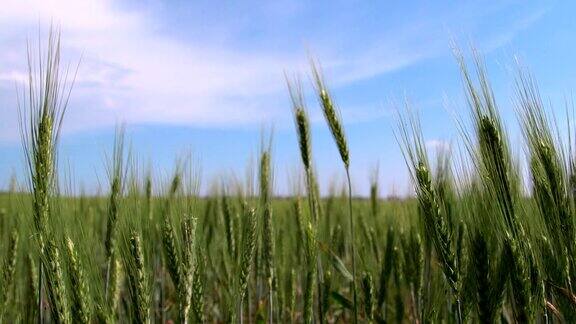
{"x": 137, "y": 280}
{"x": 482, "y": 271}
{"x": 198, "y": 288}
{"x": 116, "y": 177}
{"x": 493, "y": 158}
{"x": 47, "y": 94}
{"x": 78, "y": 283}
{"x": 267, "y": 232}
{"x": 187, "y": 264}
{"x": 413, "y": 269}
{"x": 520, "y": 282}
{"x": 386, "y": 271}
{"x": 174, "y": 258}
{"x": 246, "y": 259}
{"x": 313, "y": 262}
{"x": 549, "y": 171}
{"x": 116, "y": 173}
{"x": 368, "y": 289}
{"x": 334, "y": 120}
{"x": 55, "y": 283}
{"x": 228, "y": 215}
{"x": 434, "y": 221}
{"x": 8, "y": 270}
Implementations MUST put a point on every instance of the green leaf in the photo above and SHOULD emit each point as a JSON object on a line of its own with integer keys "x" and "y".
{"x": 340, "y": 299}
{"x": 336, "y": 262}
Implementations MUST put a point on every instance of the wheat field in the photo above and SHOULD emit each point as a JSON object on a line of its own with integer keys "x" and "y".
{"x": 481, "y": 240}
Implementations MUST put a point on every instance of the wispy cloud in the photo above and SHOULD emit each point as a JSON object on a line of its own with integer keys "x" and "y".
{"x": 438, "y": 146}
{"x": 135, "y": 71}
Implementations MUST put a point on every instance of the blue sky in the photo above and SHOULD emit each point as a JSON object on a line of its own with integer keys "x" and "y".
{"x": 206, "y": 77}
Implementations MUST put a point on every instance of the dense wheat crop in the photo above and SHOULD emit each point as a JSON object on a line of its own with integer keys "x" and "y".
{"x": 478, "y": 241}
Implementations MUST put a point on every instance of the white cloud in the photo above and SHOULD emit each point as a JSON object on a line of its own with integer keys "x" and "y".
{"x": 15, "y": 76}
{"x": 133, "y": 70}
{"x": 84, "y": 15}
{"x": 438, "y": 146}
